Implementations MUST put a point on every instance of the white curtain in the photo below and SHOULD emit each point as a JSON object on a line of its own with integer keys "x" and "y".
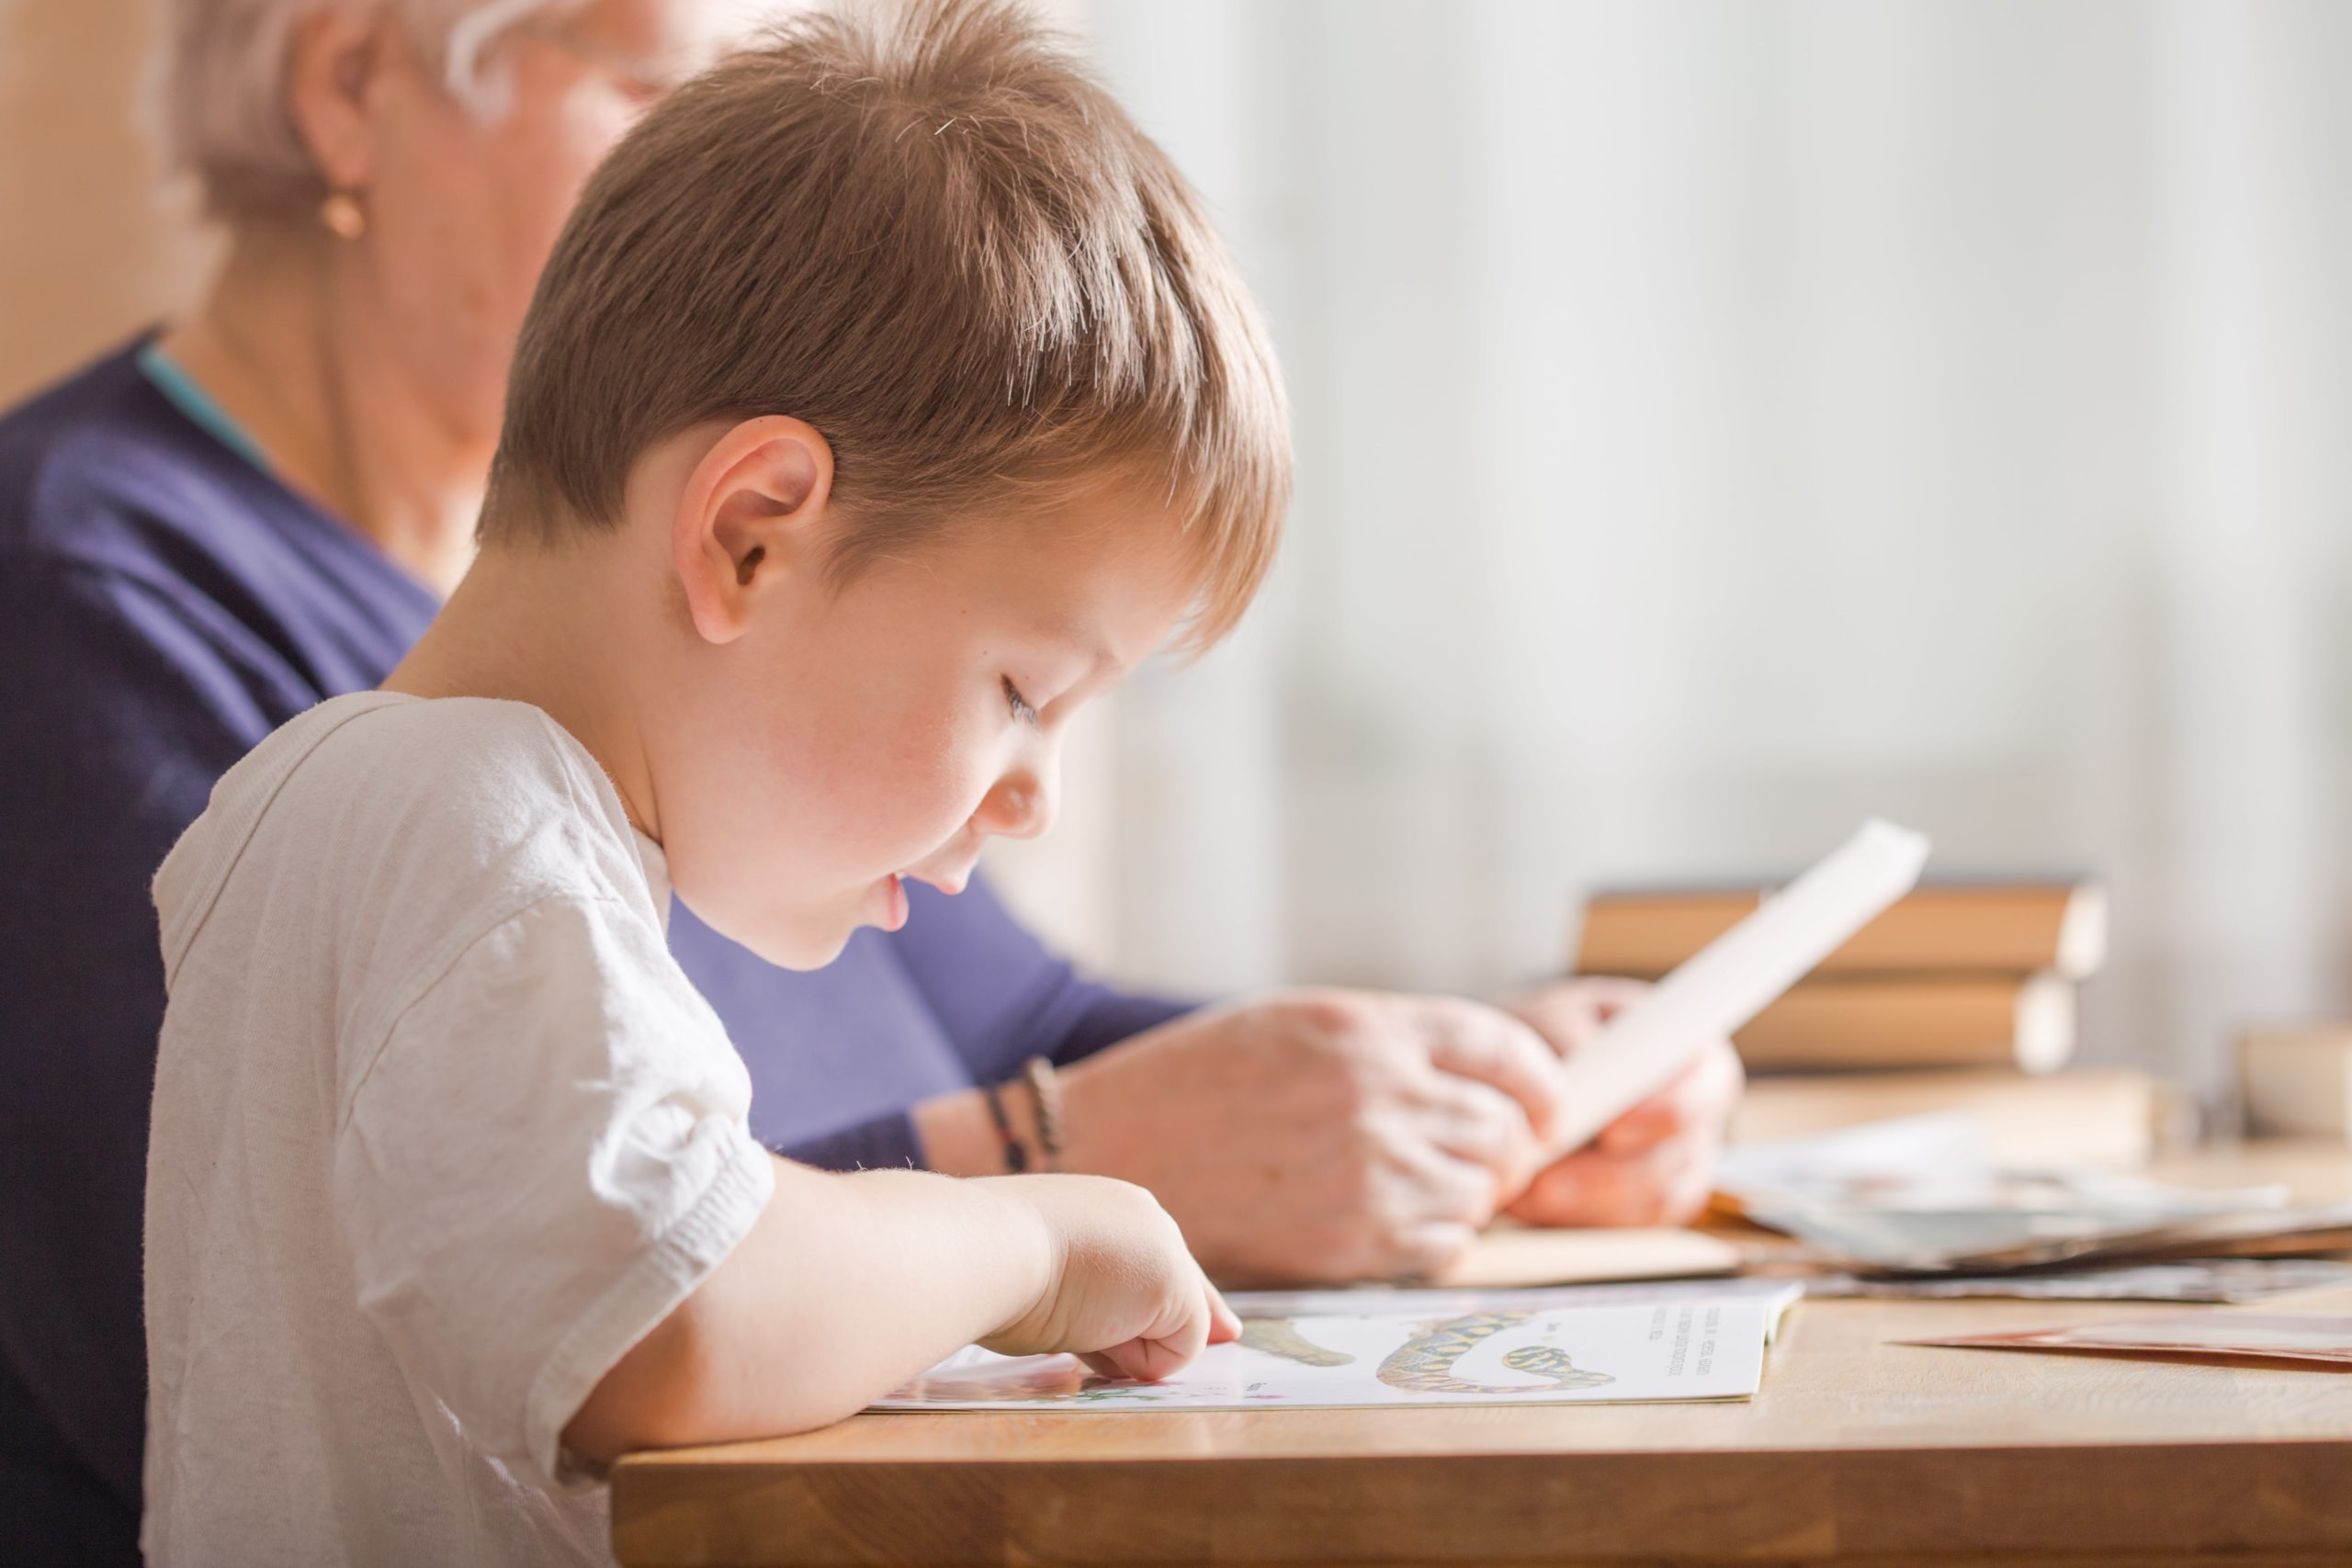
{"x": 1719, "y": 419}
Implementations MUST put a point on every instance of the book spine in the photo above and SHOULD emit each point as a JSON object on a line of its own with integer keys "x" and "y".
{"x": 1929, "y": 1022}
{"x": 1995, "y": 931}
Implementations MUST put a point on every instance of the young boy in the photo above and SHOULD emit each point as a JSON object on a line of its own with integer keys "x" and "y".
{"x": 887, "y": 399}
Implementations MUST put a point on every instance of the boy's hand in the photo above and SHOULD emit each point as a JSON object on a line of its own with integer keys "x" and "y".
{"x": 1121, "y": 1289}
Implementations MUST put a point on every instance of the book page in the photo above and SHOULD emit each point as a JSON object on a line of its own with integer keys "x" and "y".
{"x": 1674, "y": 1349}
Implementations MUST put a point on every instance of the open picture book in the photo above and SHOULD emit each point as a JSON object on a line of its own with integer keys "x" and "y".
{"x": 1388, "y": 1348}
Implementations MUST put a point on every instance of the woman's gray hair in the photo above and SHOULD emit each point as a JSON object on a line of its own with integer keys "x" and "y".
{"x": 219, "y": 89}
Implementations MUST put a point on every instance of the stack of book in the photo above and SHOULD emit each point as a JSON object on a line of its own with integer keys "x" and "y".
{"x": 2296, "y": 1082}
{"x": 1956, "y": 974}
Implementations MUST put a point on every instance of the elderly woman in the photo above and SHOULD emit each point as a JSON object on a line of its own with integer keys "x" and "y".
{"x": 208, "y": 530}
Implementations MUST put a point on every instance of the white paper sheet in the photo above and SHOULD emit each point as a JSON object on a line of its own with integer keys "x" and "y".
{"x": 1939, "y": 1162}
{"x": 1671, "y": 1349}
{"x": 1959, "y": 1240}
{"x": 2230, "y": 1280}
{"x": 1735, "y": 976}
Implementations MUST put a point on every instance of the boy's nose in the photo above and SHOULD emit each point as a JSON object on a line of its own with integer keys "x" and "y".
{"x": 1020, "y": 805}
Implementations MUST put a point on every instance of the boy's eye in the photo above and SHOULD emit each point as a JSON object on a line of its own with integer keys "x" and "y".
{"x": 1019, "y": 703}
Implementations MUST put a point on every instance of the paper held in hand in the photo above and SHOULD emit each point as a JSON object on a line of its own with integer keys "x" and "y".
{"x": 1734, "y": 977}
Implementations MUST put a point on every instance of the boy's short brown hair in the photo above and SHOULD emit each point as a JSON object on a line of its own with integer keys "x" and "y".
{"x": 930, "y": 234}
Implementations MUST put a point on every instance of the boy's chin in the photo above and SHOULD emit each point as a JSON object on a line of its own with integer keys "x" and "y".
{"x": 803, "y": 950}
{"x": 811, "y": 939}
{"x": 808, "y": 944}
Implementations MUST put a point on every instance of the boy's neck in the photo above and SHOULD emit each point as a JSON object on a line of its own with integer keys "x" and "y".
{"x": 556, "y": 627}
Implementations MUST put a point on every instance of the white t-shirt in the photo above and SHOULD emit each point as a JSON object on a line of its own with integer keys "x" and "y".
{"x": 440, "y": 1131}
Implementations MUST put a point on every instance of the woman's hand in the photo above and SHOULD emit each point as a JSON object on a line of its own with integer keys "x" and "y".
{"x": 1121, "y": 1291}
{"x": 1321, "y": 1136}
{"x": 1655, "y": 1164}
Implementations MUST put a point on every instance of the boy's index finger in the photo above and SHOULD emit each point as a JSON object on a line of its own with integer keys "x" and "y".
{"x": 1224, "y": 1323}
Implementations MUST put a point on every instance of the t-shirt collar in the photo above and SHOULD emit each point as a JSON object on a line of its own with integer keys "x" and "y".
{"x": 656, "y": 871}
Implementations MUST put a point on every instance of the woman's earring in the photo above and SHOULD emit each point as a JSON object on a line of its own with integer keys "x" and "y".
{"x": 342, "y": 215}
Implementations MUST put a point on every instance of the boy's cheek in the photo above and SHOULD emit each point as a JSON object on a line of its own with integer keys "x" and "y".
{"x": 783, "y": 824}
{"x": 792, "y": 879}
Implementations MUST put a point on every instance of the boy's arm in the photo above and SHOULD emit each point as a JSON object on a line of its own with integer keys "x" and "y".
{"x": 845, "y": 1286}
{"x": 848, "y": 1285}
{"x": 584, "y": 1251}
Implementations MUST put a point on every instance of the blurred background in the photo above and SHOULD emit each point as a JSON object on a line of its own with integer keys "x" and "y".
{"x": 1718, "y": 420}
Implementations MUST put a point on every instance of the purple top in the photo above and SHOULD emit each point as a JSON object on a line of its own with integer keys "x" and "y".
{"x": 164, "y": 603}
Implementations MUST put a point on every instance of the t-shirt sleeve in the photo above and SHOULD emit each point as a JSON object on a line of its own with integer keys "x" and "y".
{"x": 547, "y": 1154}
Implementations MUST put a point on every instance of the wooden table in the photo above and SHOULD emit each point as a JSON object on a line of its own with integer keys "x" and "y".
{"x": 1857, "y": 1452}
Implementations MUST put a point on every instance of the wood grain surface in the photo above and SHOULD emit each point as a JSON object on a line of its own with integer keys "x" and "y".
{"x": 1858, "y": 1451}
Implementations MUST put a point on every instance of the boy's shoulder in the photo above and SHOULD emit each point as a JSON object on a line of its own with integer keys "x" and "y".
{"x": 401, "y": 810}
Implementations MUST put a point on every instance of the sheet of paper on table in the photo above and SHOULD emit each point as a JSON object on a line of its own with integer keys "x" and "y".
{"x": 1941, "y": 1162}
{"x": 2190, "y": 1279}
{"x": 1410, "y": 1347}
{"x": 2236, "y": 1335}
{"x": 1922, "y": 1194}
{"x": 2147, "y": 1227}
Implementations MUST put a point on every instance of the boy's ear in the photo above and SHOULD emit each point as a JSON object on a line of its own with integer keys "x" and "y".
{"x": 751, "y": 515}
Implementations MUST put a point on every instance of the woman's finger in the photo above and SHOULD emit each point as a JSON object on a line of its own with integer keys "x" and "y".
{"x": 1487, "y": 1045}
{"x": 1700, "y": 1097}
{"x": 1427, "y": 1251}
{"x": 1477, "y": 1123}
{"x": 1422, "y": 1184}
{"x": 1663, "y": 1185}
{"x": 1570, "y": 1014}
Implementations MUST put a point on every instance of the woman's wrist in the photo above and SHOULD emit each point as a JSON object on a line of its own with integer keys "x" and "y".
{"x": 959, "y": 1136}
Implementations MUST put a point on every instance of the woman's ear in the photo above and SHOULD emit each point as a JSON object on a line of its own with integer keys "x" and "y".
{"x": 331, "y": 62}
{"x": 751, "y": 516}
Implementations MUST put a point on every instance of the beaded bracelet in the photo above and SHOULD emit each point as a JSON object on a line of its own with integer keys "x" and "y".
{"x": 1016, "y": 1153}
{"x": 1045, "y": 1091}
